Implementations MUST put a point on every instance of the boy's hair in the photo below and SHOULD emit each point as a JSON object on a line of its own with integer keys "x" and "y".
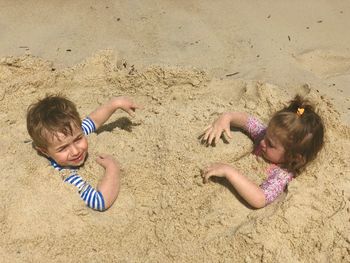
{"x": 300, "y": 130}
{"x": 51, "y": 115}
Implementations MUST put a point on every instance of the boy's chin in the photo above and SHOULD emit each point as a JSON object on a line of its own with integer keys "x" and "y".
{"x": 77, "y": 165}
{"x": 70, "y": 164}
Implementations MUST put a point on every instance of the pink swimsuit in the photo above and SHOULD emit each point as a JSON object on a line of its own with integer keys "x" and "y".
{"x": 278, "y": 178}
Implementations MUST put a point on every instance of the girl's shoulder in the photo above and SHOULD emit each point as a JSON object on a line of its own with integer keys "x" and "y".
{"x": 276, "y": 182}
{"x": 256, "y": 128}
{"x": 276, "y": 172}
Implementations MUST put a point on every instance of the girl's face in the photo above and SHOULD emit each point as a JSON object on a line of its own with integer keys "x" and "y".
{"x": 67, "y": 150}
{"x": 272, "y": 149}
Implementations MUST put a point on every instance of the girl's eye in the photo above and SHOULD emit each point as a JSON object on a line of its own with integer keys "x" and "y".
{"x": 269, "y": 144}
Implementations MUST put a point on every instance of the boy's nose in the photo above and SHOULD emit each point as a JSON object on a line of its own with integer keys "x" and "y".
{"x": 74, "y": 150}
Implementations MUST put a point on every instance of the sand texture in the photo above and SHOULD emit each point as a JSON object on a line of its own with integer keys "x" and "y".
{"x": 164, "y": 212}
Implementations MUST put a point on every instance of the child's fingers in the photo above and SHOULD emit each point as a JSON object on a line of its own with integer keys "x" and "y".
{"x": 99, "y": 160}
{"x": 102, "y": 158}
{"x": 102, "y": 155}
{"x": 207, "y": 175}
{"x": 99, "y": 157}
{"x": 207, "y": 134}
{"x": 209, "y": 126}
{"x": 208, "y": 169}
{"x": 204, "y": 171}
{"x": 211, "y": 137}
{"x": 132, "y": 108}
{"x": 217, "y": 137}
{"x": 131, "y": 112}
{"x": 204, "y": 174}
{"x": 228, "y": 132}
{"x": 200, "y": 136}
{"x": 136, "y": 106}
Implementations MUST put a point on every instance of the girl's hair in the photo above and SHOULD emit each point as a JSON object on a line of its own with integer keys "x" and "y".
{"x": 51, "y": 115}
{"x": 300, "y": 130}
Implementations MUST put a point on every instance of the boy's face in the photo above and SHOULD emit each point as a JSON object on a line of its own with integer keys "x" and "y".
{"x": 67, "y": 150}
{"x": 272, "y": 149}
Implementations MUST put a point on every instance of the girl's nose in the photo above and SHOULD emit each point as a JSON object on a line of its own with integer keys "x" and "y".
{"x": 263, "y": 143}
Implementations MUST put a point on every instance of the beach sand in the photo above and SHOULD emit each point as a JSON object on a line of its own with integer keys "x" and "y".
{"x": 186, "y": 63}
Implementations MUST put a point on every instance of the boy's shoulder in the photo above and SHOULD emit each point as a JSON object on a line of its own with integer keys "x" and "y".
{"x": 88, "y": 126}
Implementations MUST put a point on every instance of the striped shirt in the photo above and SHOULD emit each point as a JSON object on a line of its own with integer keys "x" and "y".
{"x": 92, "y": 198}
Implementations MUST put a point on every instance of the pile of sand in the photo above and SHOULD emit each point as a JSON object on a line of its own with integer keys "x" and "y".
{"x": 164, "y": 212}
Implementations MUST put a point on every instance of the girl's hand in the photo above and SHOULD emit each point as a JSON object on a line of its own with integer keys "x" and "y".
{"x": 213, "y": 132}
{"x": 216, "y": 169}
{"x": 126, "y": 104}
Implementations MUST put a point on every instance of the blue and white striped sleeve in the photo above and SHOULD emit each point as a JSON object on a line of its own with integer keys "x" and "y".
{"x": 88, "y": 126}
{"x": 92, "y": 198}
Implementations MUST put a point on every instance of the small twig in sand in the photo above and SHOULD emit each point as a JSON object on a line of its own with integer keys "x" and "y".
{"x": 232, "y": 74}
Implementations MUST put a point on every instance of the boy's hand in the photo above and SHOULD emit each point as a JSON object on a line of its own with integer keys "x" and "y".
{"x": 109, "y": 184}
{"x": 213, "y": 132}
{"x": 107, "y": 162}
{"x": 126, "y": 104}
{"x": 216, "y": 169}
{"x": 102, "y": 113}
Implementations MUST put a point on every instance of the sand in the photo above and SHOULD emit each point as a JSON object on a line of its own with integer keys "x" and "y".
{"x": 164, "y": 212}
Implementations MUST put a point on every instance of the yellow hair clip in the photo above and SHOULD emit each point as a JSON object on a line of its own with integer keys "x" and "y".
{"x": 300, "y": 111}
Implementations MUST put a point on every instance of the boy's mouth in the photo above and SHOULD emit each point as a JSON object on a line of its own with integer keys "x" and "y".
{"x": 79, "y": 158}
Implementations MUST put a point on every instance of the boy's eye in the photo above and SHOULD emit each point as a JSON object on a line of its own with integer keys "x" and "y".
{"x": 61, "y": 149}
{"x": 78, "y": 138}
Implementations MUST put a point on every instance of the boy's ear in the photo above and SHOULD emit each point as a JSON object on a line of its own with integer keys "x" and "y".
{"x": 42, "y": 151}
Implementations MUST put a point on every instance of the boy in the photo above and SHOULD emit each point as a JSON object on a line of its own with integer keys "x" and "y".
{"x": 59, "y": 134}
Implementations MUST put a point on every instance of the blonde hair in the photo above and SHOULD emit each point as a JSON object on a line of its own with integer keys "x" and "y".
{"x": 52, "y": 114}
{"x": 300, "y": 130}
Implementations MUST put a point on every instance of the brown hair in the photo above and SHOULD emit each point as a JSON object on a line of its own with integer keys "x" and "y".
{"x": 52, "y": 114}
{"x": 300, "y": 130}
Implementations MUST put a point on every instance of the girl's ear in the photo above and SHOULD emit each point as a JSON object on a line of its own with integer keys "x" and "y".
{"x": 300, "y": 159}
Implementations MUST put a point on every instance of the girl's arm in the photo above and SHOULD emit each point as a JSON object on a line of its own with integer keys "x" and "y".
{"x": 102, "y": 113}
{"x": 222, "y": 125}
{"x": 109, "y": 185}
{"x": 247, "y": 189}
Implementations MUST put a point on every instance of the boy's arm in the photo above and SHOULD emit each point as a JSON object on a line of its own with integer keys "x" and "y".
{"x": 222, "y": 125}
{"x": 109, "y": 185}
{"x": 247, "y": 189}
{"x": 102, "y": 113}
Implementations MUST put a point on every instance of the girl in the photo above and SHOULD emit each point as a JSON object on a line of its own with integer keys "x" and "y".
{"x": 292, "y": 139}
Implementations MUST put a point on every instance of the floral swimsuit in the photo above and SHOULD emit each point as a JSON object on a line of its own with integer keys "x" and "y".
{"x": 277, "y": 178}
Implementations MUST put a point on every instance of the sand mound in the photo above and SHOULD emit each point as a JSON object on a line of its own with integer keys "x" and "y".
{"x": 164, "y": 213}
